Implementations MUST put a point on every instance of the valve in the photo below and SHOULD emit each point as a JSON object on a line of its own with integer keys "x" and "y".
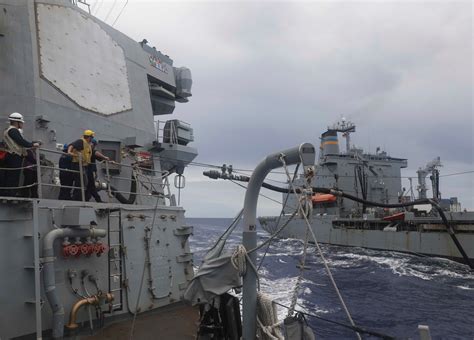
{"x": 77, "y": 247}
{"x": 73, "y": 250}
{"x": 86, "y": 249}
{"x": 66, "y": 251}
{"x": 100, "y": 248}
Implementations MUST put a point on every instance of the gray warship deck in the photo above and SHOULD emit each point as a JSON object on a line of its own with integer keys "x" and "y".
{"x": 66, "y": 71}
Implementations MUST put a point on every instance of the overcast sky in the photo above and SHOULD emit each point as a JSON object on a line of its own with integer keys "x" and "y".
{"x": 270, "y": 75}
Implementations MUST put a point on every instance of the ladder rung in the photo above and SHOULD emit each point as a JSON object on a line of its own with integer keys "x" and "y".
{"x": 115, "y": 245}
{"x": 116, "y": 290}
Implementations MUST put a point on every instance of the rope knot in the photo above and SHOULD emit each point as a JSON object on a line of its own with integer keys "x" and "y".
{"x": 238, "y": 259}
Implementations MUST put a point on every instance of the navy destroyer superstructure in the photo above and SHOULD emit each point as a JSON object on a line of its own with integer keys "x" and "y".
{"x": 377, "y": 178}
{"x": 67, "y": 71}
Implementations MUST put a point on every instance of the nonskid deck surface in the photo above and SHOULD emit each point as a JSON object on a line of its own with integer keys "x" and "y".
{"x": 173, "y": 322}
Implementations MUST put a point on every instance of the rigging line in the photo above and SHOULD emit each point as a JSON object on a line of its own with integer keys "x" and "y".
{"x": 237, "y": 170}
{"x": 294, "y": 298}
{"x": 269, "y": 198}
{"x": 144, "y": 270}
{"x": 121, "y": 11}
{"x": 110, "y": 11}
{"x": 319, "y": 175}
{"x": 97, "y": 9}
{"x": 282, "y": 212}
{"x": 94, "y": 5}
{"x": 458, "y": 173}
{"x": 361, "y": 330}
{"x": 308, "y": 226}
{"x": 274, "y": 234}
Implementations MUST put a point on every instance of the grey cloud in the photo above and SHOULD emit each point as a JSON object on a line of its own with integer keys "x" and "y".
{"x": 269, "y": 75}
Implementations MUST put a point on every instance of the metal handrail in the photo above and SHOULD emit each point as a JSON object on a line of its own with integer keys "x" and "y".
{"x": 150, "y": 179}
{"x": 166, "y": 173}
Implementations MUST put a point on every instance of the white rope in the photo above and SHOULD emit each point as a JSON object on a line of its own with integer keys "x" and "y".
{"x": 267, "y": 318}
{"x": 308, "y": 226}
{"x": 294, "y": 298}
{"x": 238, "y": 259}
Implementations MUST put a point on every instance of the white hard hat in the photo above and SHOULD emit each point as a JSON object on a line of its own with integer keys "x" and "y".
{"x": 16, "y": 117}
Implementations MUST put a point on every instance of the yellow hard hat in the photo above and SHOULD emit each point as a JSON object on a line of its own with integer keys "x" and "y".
{"x": 89, "y": 133}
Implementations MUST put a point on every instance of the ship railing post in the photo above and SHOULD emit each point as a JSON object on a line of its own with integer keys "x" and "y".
{"x": 38, "y": 302}
{"x": 81, "y": 174}
{"x": 168, "y": 190}
{"x": 304, "y": 153}
{"x": 107, "y": 174}
{"x": 38, "y": 173}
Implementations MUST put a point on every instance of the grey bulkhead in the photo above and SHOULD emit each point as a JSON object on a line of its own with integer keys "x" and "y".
{"x": 57, "y": 107}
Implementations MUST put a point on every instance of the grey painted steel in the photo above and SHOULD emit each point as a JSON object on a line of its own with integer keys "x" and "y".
{"x": 38, "y": 175}
{"x": 429, "y": 243}
{"x": 56, "y": 115}
{"x": 19, "y": 306}
{"x": 49, "y": 273}
{"x": 249, "y": 238}
{"x": 36, "y": 249}
{"x": 82, "y": 60}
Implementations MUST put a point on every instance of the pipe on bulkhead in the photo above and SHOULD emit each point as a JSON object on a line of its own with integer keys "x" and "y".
{"x": 49, "y": 272}
{"x": 93, "y": 300}
{"x": 305, "y": 154}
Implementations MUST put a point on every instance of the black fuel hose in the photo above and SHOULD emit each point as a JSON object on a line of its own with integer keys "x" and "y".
{"x": 336, "y": 192}
{"x": 340, "y": 193}
{"x": 433, "y": 203}
{"x": 133, "y": 192}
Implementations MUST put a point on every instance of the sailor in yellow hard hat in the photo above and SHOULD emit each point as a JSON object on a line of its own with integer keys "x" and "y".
{"x": 81, "y": 152}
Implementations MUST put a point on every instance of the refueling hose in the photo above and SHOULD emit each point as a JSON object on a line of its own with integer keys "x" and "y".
{"x": 433, "y": 203}
{"x": 340, "y": 193}
{"x": 133, "y": 192}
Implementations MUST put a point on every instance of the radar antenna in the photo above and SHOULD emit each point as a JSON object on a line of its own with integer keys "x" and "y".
{"x": 346, "y": 127}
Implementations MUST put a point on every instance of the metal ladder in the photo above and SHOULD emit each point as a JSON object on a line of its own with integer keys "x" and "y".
{"x": 115, "y": 257}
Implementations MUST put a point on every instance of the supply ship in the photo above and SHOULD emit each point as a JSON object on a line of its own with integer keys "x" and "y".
{"x": 375, "y": 177}
{"x": 74, "y": 265}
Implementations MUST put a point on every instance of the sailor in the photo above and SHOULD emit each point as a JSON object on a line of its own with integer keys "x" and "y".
{"x": 16, "y": 147}
{"x": 65, "y": 177}
{"x": 81, "y": 148}
{"x": 92, "y": 172}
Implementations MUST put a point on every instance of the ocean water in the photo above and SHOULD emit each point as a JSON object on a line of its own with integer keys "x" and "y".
{"x": 387, "y": 292}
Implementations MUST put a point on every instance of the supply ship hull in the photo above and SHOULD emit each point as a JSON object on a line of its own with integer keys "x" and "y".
{"x": 425, "y": 236}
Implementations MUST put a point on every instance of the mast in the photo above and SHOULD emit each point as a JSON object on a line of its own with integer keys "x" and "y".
{"x": 346, "y": 127}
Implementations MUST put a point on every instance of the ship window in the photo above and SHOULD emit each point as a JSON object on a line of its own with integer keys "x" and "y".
{"x": 111, "y": 149}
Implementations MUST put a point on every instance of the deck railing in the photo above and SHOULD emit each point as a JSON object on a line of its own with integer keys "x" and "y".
{"x": 156, "y": 184}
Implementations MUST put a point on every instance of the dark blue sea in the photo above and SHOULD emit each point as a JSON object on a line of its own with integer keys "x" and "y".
{"x": 387, "y": 292}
